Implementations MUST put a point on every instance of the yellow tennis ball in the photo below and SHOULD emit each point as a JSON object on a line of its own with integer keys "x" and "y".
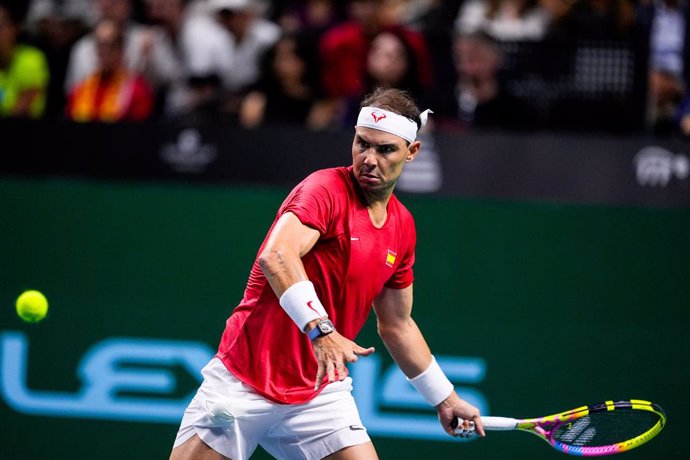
{"x": 32, "y": 306}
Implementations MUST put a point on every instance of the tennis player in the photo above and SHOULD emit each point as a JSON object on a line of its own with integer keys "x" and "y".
{"x": 340, "y": 244}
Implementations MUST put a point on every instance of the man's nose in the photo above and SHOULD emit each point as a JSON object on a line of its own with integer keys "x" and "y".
{"x": 370, "y": 157}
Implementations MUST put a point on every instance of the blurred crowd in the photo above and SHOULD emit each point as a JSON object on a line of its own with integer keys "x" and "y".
{"x": 476, "y": 63}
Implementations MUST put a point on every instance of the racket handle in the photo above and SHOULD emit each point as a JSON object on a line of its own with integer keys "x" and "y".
{"x": 499, "y": 423}
{"x": 493, "y": 423}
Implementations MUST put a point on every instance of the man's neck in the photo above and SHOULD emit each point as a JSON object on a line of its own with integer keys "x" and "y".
{"x": 377, "y": 205}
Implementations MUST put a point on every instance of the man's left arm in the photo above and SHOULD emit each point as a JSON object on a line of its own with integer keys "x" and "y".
{"x": 407, "y": 346}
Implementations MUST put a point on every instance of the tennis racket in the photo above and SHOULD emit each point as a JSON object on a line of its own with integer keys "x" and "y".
{"x": 600, "y": 429}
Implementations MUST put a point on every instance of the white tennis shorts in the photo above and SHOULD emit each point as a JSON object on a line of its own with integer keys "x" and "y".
{"x": 233, "y": 419}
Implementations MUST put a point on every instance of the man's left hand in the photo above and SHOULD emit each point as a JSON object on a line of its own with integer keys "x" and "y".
{"x": 452, "y": 408}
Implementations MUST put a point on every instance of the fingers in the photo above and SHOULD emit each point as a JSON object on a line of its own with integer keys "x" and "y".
{"x": 334, "y": 371}
{"x": 332, "y": 353}
{"x": 468, "y": 428}
{"x": 330, "y": 371}
{"x": 357, "y": 352}
{"x": 479, "y": 426}
{"x": 319, "y": 375}
{"x": 464, "y": 428}
{"x": 363, "y": 351}
{"x": 341, "y": 371}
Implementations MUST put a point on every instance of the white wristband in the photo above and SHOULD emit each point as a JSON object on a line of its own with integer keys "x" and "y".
{"x": 302, "y": 304}
{"x": 433, "y": 384}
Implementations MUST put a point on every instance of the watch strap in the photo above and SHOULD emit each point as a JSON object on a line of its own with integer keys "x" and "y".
{"x": 317, "y": 332}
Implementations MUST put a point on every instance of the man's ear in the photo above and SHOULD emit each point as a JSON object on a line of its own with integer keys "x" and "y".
{"x": 413, "y": 150}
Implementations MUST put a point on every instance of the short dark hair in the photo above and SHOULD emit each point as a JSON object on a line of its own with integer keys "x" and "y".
{"x": 395, "y": 100}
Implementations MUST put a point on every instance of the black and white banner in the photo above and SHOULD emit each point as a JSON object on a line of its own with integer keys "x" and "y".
{"x": 567, "y": 168}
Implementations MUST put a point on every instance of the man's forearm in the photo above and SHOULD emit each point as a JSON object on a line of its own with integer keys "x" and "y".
{"x": 407, "y": 347}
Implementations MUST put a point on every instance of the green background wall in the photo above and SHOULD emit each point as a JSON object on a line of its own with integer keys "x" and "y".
{"x": 566, "y": 305}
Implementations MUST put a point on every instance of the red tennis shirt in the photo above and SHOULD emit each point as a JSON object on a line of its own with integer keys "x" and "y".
{"x": 349, "y": 265}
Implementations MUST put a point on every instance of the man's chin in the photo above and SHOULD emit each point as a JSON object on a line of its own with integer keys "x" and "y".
{"x": 374, "y": 187}
{"x": 369, "y": 182}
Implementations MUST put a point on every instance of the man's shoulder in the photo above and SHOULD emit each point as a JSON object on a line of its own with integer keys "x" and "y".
{"x": 330, "y": 176}
{"x": 404, "y": 214}
{"x": 332, "y": 182}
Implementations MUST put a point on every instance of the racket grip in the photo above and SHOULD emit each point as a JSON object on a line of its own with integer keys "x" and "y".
{"x": 499, "y": 423}
{"x": 492, "y": 423}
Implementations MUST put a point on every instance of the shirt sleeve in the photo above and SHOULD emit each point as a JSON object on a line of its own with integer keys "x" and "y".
{"x": 313, "y": 202}
{"x": 404, "y": 274}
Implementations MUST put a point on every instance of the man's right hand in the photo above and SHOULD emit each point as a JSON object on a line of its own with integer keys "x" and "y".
{"x": 332, "y": 352}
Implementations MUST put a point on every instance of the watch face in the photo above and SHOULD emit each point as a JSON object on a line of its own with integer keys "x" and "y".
{"x": 326, "y": 327}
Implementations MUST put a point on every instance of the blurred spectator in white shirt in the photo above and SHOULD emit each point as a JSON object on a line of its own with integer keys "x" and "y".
{"x": 202, "y": 49}
{"x": 504, "y": 20}
{"x": 251, "y": 36}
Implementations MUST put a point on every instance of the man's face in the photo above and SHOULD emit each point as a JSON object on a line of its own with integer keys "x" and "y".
{"x": 108, "y": 47}
{"x": 378, "y": 159}
{"x": 387, "y": 61}
{"x": 475, "y": 60}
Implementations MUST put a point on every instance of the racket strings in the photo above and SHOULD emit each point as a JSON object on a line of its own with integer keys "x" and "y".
{"x": 605, "y": 428}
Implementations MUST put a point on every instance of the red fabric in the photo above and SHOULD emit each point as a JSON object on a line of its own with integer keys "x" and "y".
{"x": 349, "y": 266}
{"x": 123, "y": 96}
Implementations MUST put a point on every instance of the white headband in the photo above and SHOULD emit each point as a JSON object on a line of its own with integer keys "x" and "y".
{"x": 383, "y": 120}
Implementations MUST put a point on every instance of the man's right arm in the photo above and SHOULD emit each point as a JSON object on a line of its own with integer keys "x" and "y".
{"x": 281, "y": 263}
{"x": 281, "y": 258}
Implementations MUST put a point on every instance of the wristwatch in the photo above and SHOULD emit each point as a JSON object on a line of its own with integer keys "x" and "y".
{"x": 323, "y": 327}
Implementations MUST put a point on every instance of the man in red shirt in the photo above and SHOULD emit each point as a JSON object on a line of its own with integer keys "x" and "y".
{"x": 341, "y": 243}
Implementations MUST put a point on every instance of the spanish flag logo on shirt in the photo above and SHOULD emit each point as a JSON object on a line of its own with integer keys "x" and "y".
{"x": 390, "y": 258}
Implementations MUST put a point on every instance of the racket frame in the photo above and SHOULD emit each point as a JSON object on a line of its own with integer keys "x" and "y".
{"x": 544, "y": 427}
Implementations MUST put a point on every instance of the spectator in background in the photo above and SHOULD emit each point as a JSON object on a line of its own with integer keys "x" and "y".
{"x": 147, "y": 49}
{"x": 666, "y": 93}
{"x": 504, "y": 20}
{"x": 683, "y": 118}
{"x": 390, "y": 63}
{"x": 285, "y": 92}
{"x": 666, "y": 27}
{"x": 437, "y": 25}
{"x": 343, "y": 54}
{"x": 310, "y": 17}
{"x": 481, "y": 100}
{"x": 251, "y": 35}
{"x": 55, "y": 26}
{"x": 113, "y": 92}
{"x": 201, "y": 47}
{"x": 24, "y": 73}
{"x": 170, "y": 16}
{"x": 603, "y": 20}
